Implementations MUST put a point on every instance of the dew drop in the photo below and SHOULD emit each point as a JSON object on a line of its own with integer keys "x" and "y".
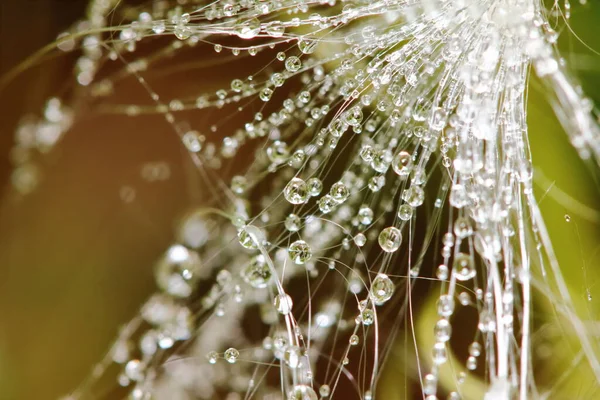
{"x": 390, "y": 239}
{"x": 257, "y": 273}
{"x": 302, "y": 392}
{"x": 293, "y": 223}
{"x": 283, "y": 303}
{"x": 296, "y": 191}
{"x": 231, "y": 355}
{"x": 212, "y": 357}
{"x": 324, "y": 390}
{"x": 293, "y": 64}
{"x": 307, "y": 46}
{"x": 414, "y": 196}
{"x": 382, "y": 289}
{"x": 339, "y": 192}
{"x": 463, "y": 267}
{"x": 401, "y": 163}
{"x": 299, "y": 252}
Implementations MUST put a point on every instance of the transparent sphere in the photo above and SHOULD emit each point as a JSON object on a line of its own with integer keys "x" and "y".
{"x": 257, "y": 273}
{"x": 231, "y": 355}
{"x": 302, "y": 392}
{"x": 390, "y": 239}
{"x": 382, "y": 289}
{"x": 299, "y": 252}
{"x": 283, "y": 303}
{"x": 401, "y": 163}
{"x": 463, "y": 267}
{"x": 176, "y": 272}
{"x": 296, "y": 191}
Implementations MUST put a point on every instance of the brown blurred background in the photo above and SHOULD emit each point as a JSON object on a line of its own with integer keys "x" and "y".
{"x": 75, "y": 259}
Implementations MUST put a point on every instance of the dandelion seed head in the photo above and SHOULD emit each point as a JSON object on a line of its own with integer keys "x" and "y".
{"x": 377, "y": 129}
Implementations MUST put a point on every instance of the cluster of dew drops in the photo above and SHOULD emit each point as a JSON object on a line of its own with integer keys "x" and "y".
{"x": 319, "y": 233}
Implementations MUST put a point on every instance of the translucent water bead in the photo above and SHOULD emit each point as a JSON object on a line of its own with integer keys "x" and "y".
{"x": 292, "y": 356}
{"x": 415, "y": 195}
{"x": 296, "y": 191}
{"x": 193, "y": 141}
{"x": 339, "y": 192}
{"x": 175, "y": 272}
{"x": 324, "y": 390}
{"x": 283, "y": 303}
{"x": 382, "y": 289}
{"x": 212, "y": 357}
{"x": 257, "y": 273}
{"x": 231, "y": 355}
{"x": 463, "y": 267}
{"x": 390, "y": 239}
{"x": 293, "y": 64}
{"x": 293, "y": 223}
{"x": 302, "y": 392}
{"x": 401, "y": 164}
{"x": 299, "y": 252}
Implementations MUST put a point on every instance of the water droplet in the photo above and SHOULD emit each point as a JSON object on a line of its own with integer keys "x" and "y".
{"x": 212, "y": 357}
{"x": 299, "y": 252}
{"x": 283, "y": 303}
{"x": 175, "y": 272}
{"x": 192, "y": 140}
{"x": 302, "y": 392}
{"x": 405, "y": 212}
{"x": 475, "y": 349}
{"x": 339, "y": 192}
{"x": 315, "y": 186}
{"x": 324, "y": 390}
{"x": 249, "y": 29}
{"x": 307, "y": 46}
{"x": 296, "y": 191}
{"x": 134, "y": 370}
{"x": 471, "y": 363}
{"x": 401, "y": 164}
{"x": 326, "y": 204}
{"x": 293, "y": 223}
{"x": 278, "y": 152}
{"x": 365, "y": 215}
{"x": 390, "y": 239}
{"x": 293, "y": 64}
{"x": 182, "y": 32}
{"x": 257, "y": 273}
{"x": 231, "y": 355}
{"x": 360, "y": 239}
{"x": 382, "y": 289}
{"x": 463, "y": 267}
{"x": 439, "y": 354}
{"x": 239, "y": 184}
{"x": 487, "y": 322}
{"x": 292, "y": 356}
{"x": 414, "y": 196}
{"x": 462, "y": 227}
{"x": 237, "y": 85}
{"x": 367, "y": 317}
{"x": 442, "y": 330}
{"x": 246, "y": 240}
{"x": 445, "y": 305}
{"x": 265, "y": 94}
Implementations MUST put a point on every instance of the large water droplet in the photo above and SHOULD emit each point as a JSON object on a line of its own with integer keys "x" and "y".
{"x": 299, "y": 252}
{"x": 296, "y": 191}
{"x": 382, "y": 289}
{"x": 390, "y": 239}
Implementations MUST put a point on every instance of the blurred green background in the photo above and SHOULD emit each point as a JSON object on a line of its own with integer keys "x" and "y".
{"x": 75, "y": 260}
